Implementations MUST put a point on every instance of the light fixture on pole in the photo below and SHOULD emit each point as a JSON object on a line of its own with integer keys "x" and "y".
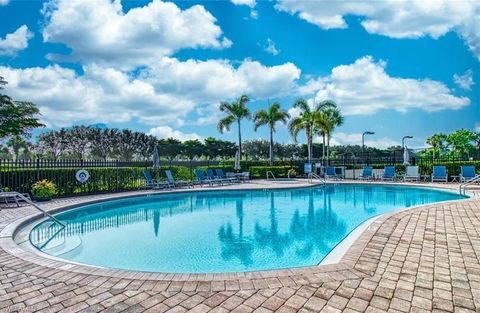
{"x": 363, "y": 143}
{"x": 403, "y": 140}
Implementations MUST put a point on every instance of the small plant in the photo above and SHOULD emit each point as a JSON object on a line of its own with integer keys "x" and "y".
{"x": 44, "y": 190}
{"x": 291, "y": 173}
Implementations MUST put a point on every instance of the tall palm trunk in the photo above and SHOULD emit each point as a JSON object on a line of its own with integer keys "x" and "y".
{"x": 328, "y": 146}
{"x": 323, "y": 147}
{"x": 239, "y": 139}
{"x": 309, "y": 145}
{"x": 271, "y": 145}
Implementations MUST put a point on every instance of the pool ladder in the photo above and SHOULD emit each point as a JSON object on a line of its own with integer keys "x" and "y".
{"x": 463, "y": 187}
{"x": 270, "y": 173}
{"x": 45, "y": 213}
{"x": 311, "y": 176}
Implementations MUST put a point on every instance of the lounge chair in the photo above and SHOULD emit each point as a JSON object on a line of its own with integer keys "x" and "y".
{"x": 411, "y": 173}
{"x": 176, "y": 183}
{"x": 367, "y": 173}
{"x": 201, "y": 179}
{"x": 389, "y": 173}
{"x": 212, "y": 177}
{"x": 14, "y": 196}
{"x": 221, "y": 175}
{"x": 439, "y": 173}
{"x": 467, "y": 172}
{"x": 151, "y": 183}
{"x": 330, "y": 172}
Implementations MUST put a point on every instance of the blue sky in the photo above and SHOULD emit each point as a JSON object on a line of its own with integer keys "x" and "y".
{"x": 394, "y": 67}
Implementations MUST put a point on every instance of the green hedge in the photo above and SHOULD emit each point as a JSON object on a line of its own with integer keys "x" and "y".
{"x": 278, "y": 171}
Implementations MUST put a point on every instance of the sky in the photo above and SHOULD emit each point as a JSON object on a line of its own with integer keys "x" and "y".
{"x": 393, "y": 67}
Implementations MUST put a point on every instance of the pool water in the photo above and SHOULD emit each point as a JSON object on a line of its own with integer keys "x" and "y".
{"x": 222, "y": 231}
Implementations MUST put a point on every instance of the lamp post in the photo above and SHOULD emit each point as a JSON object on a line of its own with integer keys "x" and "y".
{"x": 363, "y": 143}
{"x": 403, "y": 141}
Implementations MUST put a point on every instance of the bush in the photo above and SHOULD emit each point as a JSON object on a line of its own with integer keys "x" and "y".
{"x": 44, "y": 190}
{"x": 278, "y": 171}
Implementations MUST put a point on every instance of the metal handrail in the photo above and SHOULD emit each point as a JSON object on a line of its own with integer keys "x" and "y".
{"x": 39, "y": 208}
{"x": 313, "y": 175}
{"x": 464, "y": 186}
{"x": 271, "y": 173}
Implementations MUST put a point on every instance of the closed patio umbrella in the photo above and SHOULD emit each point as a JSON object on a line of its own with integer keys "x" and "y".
{"x": 237, "y": 161}
{"x": 155, "y": 158}
{"x": 406, "y": 156}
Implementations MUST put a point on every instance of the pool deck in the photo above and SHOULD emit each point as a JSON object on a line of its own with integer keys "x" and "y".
{"x": 422, "y": 259}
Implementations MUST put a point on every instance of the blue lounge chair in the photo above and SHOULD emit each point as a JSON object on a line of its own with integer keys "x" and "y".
{"x": 330, "y": 172}
{"x": 367, "y": 173}
{"x": 176, "y": 183}
{"x": 439, "y": 173}
{"x": 151, "y": 183}
{"x": 467, "y": 172}
{"x": 212, "y": 177}
{"x": 411, "y": 173}
{"x": 201, "y": 179}
{"x": 389, "y": 173}
{"x": 221, "y": 175}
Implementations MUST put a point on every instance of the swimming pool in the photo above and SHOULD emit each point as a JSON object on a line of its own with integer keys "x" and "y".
{"x": 222, "y": 231}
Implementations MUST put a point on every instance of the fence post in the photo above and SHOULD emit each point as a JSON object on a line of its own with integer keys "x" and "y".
{"x": 37, "y": 172}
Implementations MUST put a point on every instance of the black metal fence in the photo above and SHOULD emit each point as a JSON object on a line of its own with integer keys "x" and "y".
{"x": 105, "y": 176}
{"x": 112, "y": 176}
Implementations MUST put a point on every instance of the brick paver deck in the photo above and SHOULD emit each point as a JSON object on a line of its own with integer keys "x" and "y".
{"x": 419, "y": 260}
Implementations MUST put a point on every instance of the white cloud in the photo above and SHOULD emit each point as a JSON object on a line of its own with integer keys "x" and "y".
{"x": 164, "y": 94}
{"x": 250, "y": 3}
{"x": 165, "y": 132}
{"x": 100, "y": 31}
{"x": 101, "y": 95}
{"x": 215, "y": 80}
{"x": 270, "y": 48}
{"x": 396, "y": 19}
{"x": 16, "y": 41}
{"x": 340, "y": 138}
{"x": 364, "y": 87}
{"x": 464, "y": 81}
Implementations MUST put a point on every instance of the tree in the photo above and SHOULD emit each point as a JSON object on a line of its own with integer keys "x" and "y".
{"x": 256, "y": 149}
{"x": 16, "y": 143}
{"x": 53, "y": 142}
{"x": 170, "y": 148}
{"x": 236, "y": 111}
{"x": 331, "y": 117}
{"x": 311, "y": 120}
{"x": 437, "y": 141}
{"x": 461, "y": 141}
{"x": 125, "y": 146}
{"x": 192, "y": 149}
{"x": 78, "y": 140}
{"x": 103, "y": 141}
{"x": 17, "y": 118}
{"x": 270, "y": 117}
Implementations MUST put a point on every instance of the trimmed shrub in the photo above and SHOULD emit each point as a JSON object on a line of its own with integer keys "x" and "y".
{"x": 278, "y": 171}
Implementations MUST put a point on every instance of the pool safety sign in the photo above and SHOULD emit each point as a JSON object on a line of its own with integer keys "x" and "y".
{"x": 307, "y": 168}
{"x": 82, "y": 176}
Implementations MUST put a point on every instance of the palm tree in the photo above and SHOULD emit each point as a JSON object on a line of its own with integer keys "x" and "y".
{"x": 270, "y": 117}
{"x": 437, "y": 141}
{"x": 236, "y": 111}
{"x": 331, "y": 118}
{"x": 313, "y": 121}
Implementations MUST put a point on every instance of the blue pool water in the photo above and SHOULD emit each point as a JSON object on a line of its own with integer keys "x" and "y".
{"x": 223, "y": 231}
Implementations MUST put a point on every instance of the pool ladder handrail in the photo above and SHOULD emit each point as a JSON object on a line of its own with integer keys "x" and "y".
{"x": 45, "y": 213}
{"x": 311, "y": 176}
{"x": 469, "y": 182}
{"x": 271, "y": 173}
